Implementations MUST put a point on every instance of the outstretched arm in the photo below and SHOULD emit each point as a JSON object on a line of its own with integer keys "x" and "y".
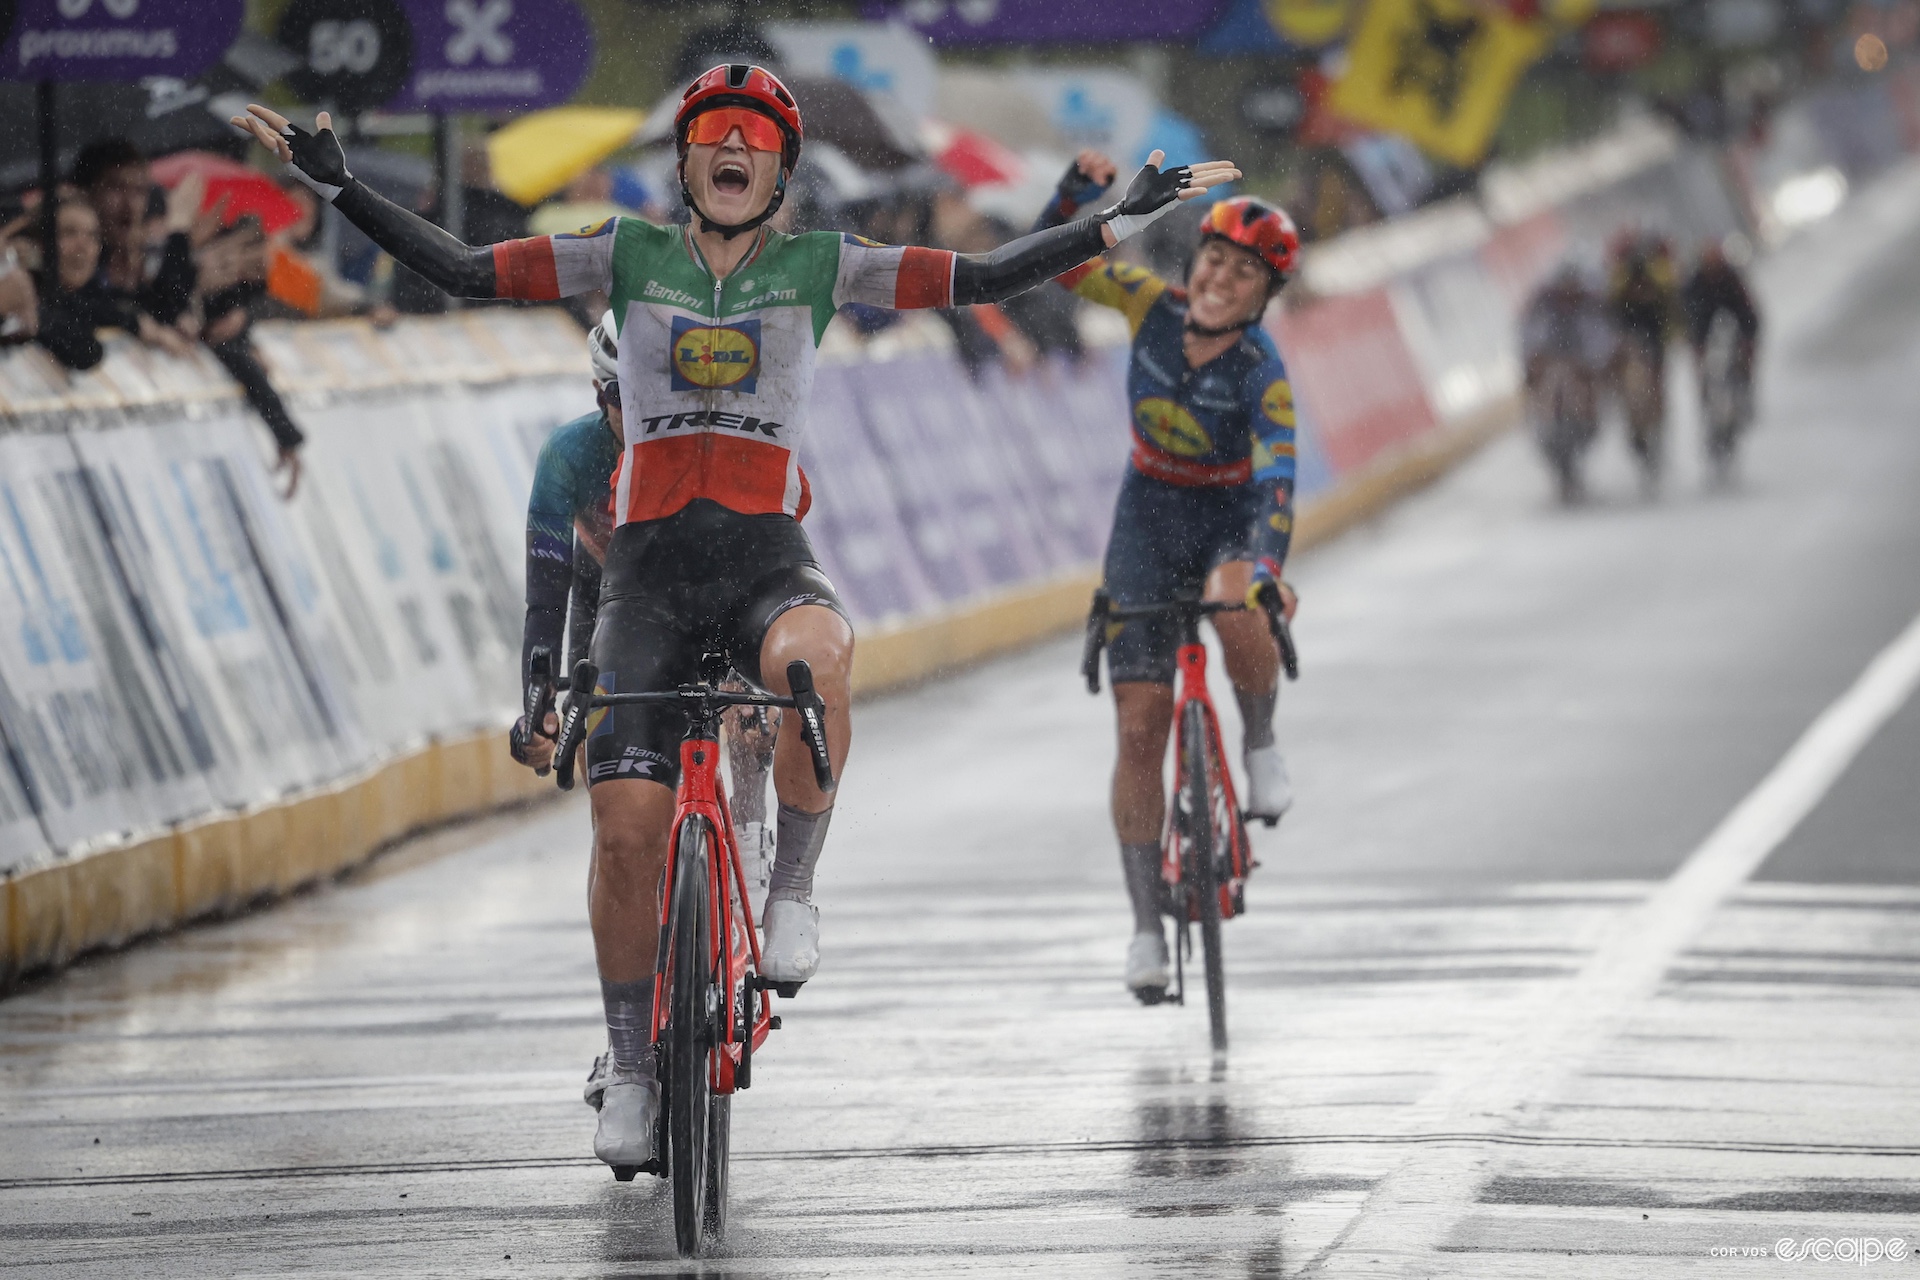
{"x": 1021, "y": 264}
{"x": 539, "y": 269}
{"x": 317, "y": 160}
{"x": 901, "y": 278}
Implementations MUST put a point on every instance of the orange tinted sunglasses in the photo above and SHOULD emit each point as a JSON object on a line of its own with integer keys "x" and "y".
{"x": 710, "y": 128}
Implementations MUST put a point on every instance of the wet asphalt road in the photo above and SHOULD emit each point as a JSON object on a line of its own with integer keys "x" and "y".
{"x": 1516, "y": 724}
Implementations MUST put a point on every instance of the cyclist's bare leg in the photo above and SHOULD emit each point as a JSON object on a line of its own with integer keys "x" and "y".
{"x": 1253, "y": 664}
{"x": 1144, "y": 711}
{"x": 822, "y": 638}
{"x": 1252, "y": 658}
{"x": 632, "y": 820}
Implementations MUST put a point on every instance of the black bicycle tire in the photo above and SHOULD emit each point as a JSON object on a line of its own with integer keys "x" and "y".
{"x": 719, "y": 1143}
{"x": 689, "y": 1038}
{"x": 1195, "y": 744}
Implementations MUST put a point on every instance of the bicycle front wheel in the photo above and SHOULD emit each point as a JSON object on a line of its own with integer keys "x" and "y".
{"x": 1199, "y": 769}
{"x": 690, "y": 1036}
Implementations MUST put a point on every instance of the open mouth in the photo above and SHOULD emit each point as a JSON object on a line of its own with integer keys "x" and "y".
{"x": 730, "y": 178}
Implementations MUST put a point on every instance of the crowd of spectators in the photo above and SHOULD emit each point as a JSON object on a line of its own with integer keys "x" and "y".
{"x": 177, "y": 271}
{"x": 168, "y": 267}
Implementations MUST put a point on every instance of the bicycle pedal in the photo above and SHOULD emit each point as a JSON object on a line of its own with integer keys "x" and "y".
{"x": 785, "y": 990}
{"x": 625, "y": 1172}
{"x": 773, "y": 1022}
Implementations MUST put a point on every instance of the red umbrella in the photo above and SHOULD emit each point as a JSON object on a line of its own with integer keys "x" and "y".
{"x": 970, "y": 158}
{"x": 246, "y": 189}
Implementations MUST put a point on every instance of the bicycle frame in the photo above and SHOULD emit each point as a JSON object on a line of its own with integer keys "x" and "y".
{"x": 1191, "y": 663}
{"x": 1223, "y": 822}
{"x": 731, "y": 938}
{"x": 702, "y": 794}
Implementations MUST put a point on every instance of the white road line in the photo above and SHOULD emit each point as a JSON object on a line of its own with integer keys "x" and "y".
{"x": 1411, "y": 1211}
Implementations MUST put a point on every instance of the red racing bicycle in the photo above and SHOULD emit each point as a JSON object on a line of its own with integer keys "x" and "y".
{"x": 712, "y": 1009}
{"x": 1206, "y": 855}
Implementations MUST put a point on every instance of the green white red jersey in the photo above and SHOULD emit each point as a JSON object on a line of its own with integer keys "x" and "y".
{"x": 716, "y": 376}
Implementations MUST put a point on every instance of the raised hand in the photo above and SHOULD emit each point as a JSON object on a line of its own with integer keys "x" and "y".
{"x": 314, "y": 158}
{"x": 1153, "y": 193}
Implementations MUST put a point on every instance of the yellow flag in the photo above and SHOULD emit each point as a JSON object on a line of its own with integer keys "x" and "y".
{"x": 1438, "y": 72}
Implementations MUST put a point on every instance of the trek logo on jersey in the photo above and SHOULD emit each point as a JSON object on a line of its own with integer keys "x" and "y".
{"x": 710, "y": 357}
{"x": 657, "y": 292}
{"x": 713, "y": 418}
{"x": 1277, "y": 403}
{"x": 1171, "y": 427}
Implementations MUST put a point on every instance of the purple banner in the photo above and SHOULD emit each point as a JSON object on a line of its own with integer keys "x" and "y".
{"x": 496, "y": 55}
{"x": 1053, "y": 22}
{"x": 124, "y": 40}
{"x": 855, "y": 522}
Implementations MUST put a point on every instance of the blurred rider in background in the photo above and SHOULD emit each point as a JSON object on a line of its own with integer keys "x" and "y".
{"x": 1723, "y": 328}
{"x": 1644, "y": 300}
{"x": 1567, "y": 340}
{"x": 1206, "y": 505}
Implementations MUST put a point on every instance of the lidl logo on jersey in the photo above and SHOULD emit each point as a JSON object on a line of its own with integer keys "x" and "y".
{"x": 710, "y": 357}
{"x": 1277, "y": 403}
{"x": 1168, "y": 425}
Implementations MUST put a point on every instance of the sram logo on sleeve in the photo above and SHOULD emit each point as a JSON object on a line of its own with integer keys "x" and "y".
{"x": 710, "y": 357}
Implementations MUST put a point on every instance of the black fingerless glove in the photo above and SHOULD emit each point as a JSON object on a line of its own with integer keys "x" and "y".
{"x": 318, "y": 161}
{"x": 1151, "y": 195}
{"x": 1077, "y": 189}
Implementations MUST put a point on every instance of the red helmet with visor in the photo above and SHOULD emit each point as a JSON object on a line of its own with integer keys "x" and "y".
{"x": 740, "y": 86}
{"x": 1262, "y": 229}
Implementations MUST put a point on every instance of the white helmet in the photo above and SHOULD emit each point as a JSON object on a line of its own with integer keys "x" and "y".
{"x": 603, "y": 351}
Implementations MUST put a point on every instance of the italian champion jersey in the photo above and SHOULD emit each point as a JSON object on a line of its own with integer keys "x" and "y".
{"x": 716, "y": 375}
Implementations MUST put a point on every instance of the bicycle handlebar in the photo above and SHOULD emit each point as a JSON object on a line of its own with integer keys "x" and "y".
{"x": 1104, "y": 610}
{"x": 702, "y": 699}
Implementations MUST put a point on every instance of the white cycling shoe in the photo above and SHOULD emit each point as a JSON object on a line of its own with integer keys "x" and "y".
{"x": 597, "y": 1079}
{"x": 1269, "y": 789}
{"x": 792, "y": 950}
{"x": 1147, "y": 961}
{"x": 629, "y": 1113}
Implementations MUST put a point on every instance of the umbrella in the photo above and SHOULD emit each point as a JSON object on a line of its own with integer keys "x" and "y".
{"x": 571, "y": 215}
{"x": 971, "y": 158}
{"x": 245, "y": 189}
{"x": 541, "y": 152}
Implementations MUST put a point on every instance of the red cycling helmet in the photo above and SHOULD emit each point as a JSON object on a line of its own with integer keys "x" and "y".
{"x": 1254, "y": 225}
{"x": 740, "y": 85}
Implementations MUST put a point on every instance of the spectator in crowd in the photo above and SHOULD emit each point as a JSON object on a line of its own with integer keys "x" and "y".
{"x": 113, "y": 176}
{"x": 19, "y": 303}
{"x": 233, "y": 280}
{"x": 74, "y": 301}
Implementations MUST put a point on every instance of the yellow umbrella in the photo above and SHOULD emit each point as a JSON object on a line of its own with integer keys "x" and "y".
{"x": 540, "y": 153}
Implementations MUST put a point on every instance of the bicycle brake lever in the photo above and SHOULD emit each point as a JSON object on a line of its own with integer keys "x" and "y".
{"x": 813, "y": 723}
{"x": 1277, "y": 624}
{"x": 573, "y": 723}
{"x": 539, "y": 694}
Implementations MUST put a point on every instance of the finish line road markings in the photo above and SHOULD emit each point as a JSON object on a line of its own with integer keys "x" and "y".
{"x": 1413, "y": 1209}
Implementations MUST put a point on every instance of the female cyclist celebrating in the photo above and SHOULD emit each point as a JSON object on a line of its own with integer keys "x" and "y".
{"x": 1207, "y": 503}
{"x": 719, "y": 321}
